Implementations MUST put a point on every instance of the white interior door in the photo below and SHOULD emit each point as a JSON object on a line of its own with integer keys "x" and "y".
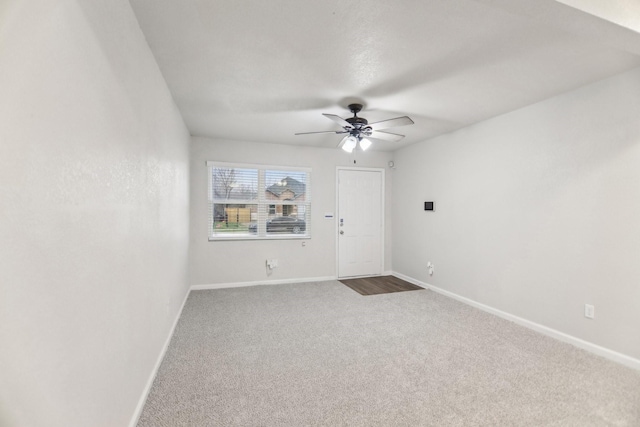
{"x": 360, "y": 222}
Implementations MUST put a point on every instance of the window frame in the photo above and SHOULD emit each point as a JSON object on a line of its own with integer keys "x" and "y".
{"x": 264, "y": 205}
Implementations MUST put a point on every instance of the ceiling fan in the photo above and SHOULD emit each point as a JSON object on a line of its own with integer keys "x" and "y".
{"x": 359, "y": 131}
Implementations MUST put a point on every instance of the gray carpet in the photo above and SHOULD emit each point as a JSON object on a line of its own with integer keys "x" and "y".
{"x": 319, "y": 354}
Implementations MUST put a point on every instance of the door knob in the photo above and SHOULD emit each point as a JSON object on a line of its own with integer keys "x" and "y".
{"x": 341, "y": 231}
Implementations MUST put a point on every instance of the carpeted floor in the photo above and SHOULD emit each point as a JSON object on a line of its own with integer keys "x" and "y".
{"x": 319, "y": 354}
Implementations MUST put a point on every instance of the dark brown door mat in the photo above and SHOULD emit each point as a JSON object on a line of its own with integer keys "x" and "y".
{"x": 379, "y": 285}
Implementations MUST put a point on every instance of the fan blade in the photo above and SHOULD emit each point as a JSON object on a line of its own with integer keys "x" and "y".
{"x": 339, "y": 120}
{"x": 324, "y": 131}
{"x": 391, "y": 123}
{"x": 385, "y": 136}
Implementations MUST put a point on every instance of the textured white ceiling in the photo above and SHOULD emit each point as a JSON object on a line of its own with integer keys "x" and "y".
{"x": 264, "y": 70}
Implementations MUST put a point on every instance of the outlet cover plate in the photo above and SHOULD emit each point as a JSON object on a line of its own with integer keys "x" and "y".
{"x": 589, "y": 311}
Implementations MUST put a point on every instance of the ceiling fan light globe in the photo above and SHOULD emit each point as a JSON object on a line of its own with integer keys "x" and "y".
{"x": 349, "y": 143}
{"x": 364, "y": 144}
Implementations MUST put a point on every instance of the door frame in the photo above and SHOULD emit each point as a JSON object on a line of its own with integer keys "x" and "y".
{"x": 382, "y": 215}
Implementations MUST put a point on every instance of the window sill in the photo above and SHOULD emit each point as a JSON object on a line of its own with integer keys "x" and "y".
{"x": 240, "y": 238}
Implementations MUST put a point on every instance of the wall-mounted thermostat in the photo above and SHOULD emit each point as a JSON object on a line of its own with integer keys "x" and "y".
{"x": 429, "y": 206}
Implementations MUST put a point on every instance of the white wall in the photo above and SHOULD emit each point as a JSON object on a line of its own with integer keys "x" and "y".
{"x": 224, "y": 262}
{"x": 93, "y": 213}
{"x": 537, "y": 212}
{"x": 622, "y": 12}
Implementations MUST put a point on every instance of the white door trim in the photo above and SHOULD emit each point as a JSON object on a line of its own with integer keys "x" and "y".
{"x": 382, "y": 210}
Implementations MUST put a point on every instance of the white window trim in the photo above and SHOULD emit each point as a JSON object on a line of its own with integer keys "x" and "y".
{"x": 262, "y": 202}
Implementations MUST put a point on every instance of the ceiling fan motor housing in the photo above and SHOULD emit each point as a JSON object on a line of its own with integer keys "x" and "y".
{"x": 355, "y": 121}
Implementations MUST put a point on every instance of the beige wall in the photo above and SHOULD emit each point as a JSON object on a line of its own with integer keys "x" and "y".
{"x": 93, "y": 213}
{"x": 537, "y": 212}
{"x": 244, "y": 261}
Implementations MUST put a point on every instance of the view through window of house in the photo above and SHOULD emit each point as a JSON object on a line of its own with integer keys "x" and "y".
{"x": 258, "y": 202}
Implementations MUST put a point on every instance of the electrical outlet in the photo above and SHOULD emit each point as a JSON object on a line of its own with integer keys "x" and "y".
{"x": 272, "y": 263}
{"x": 589, "y": 311}
{"x": 431, "y": 268}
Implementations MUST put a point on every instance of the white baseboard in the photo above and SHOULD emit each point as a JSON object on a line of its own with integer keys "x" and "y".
{"x": 152, "y": 377}
{"x": 623, "y": 359}
{"x": 260, "y": 282}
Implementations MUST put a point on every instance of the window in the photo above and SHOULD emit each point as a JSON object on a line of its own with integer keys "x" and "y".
{"x": 258, "y": 202}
